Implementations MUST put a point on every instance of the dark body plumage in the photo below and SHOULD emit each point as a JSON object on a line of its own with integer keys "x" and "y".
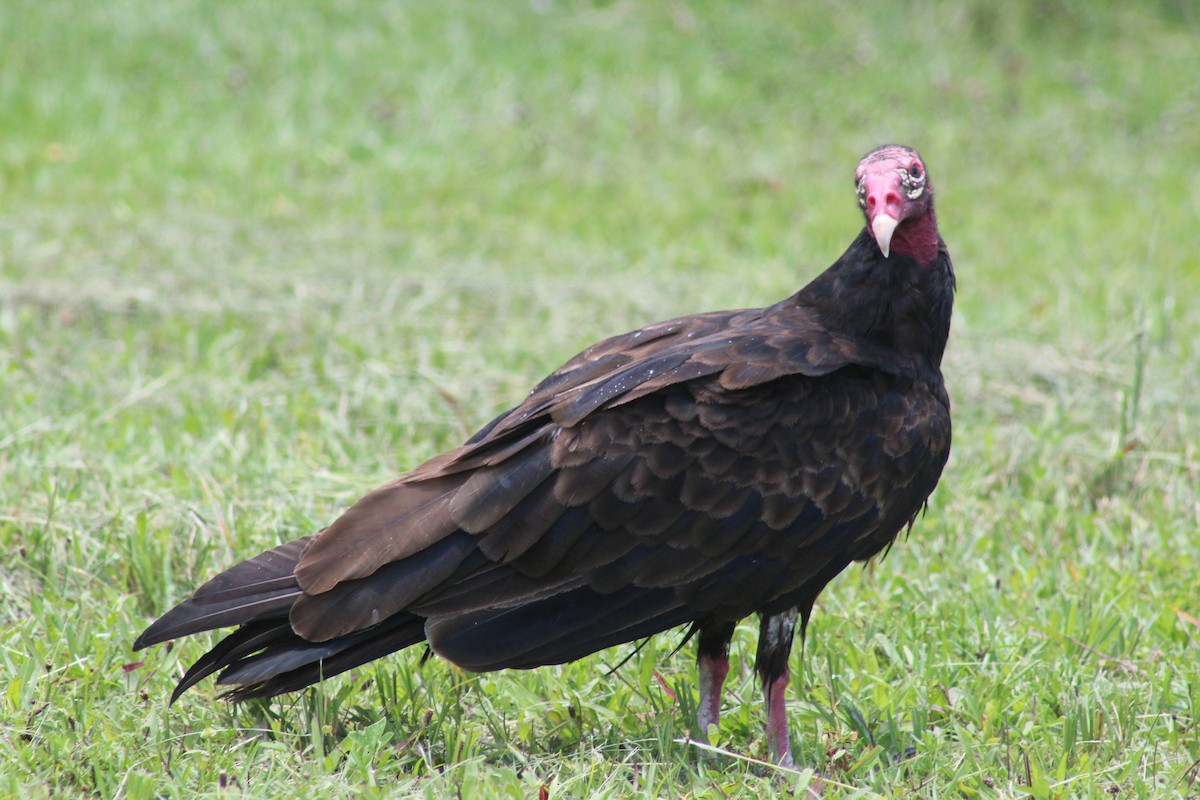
{"x": 692, "y": 472}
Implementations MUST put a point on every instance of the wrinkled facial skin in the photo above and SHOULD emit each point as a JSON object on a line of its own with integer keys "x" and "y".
{"x": 892, "y": 186}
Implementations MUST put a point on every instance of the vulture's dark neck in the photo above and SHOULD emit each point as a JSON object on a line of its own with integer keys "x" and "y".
{"x": 898, "y": 303}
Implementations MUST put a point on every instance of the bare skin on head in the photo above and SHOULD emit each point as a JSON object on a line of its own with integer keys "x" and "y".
{"x": 896, "y": 197}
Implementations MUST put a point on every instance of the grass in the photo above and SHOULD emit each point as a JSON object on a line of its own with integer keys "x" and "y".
{"x": 257, "y": 258}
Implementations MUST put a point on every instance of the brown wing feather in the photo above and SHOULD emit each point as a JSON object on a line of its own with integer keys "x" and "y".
{"x": 389, "y": 524}
{"x": 746, "y": 348}
{"x": 767, "y": 473}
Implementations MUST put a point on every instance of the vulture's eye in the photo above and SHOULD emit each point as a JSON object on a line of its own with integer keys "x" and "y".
{"x": 915, "y": 169}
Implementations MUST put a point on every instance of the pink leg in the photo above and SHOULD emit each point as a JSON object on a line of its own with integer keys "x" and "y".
{"x": 778, "y": 742}
{"x": 775, "y": 636}
{"x": 713, "y": 670}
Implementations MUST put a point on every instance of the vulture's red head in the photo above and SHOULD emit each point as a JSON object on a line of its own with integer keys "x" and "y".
{"x": 897, "y": 199}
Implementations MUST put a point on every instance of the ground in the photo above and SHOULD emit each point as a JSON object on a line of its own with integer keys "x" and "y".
{"x": 257, "y": 258}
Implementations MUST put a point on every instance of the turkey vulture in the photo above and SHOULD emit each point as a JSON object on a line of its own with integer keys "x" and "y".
{"x": 689, "y": 473}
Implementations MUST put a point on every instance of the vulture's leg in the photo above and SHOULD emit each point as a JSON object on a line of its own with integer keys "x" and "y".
{"x": 712, "y": 659}
{"x": 775, "y": 636}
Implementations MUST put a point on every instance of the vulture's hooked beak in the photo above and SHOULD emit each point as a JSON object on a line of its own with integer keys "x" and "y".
{"x": 883, "y": 226}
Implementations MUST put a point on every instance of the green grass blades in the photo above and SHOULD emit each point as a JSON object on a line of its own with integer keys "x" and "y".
{"x": 257, "y": 258}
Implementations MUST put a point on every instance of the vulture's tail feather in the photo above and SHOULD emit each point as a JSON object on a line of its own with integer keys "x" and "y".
{"x": 260, "y": 588}
{"x": 298, "y": 663}
{"x": 265, "y": 656}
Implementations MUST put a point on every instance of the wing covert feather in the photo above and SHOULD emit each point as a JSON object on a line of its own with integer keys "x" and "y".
{"x": 665, "y": 456}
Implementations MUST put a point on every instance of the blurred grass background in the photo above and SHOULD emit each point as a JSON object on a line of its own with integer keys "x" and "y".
{"x": 257, "y": 257}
